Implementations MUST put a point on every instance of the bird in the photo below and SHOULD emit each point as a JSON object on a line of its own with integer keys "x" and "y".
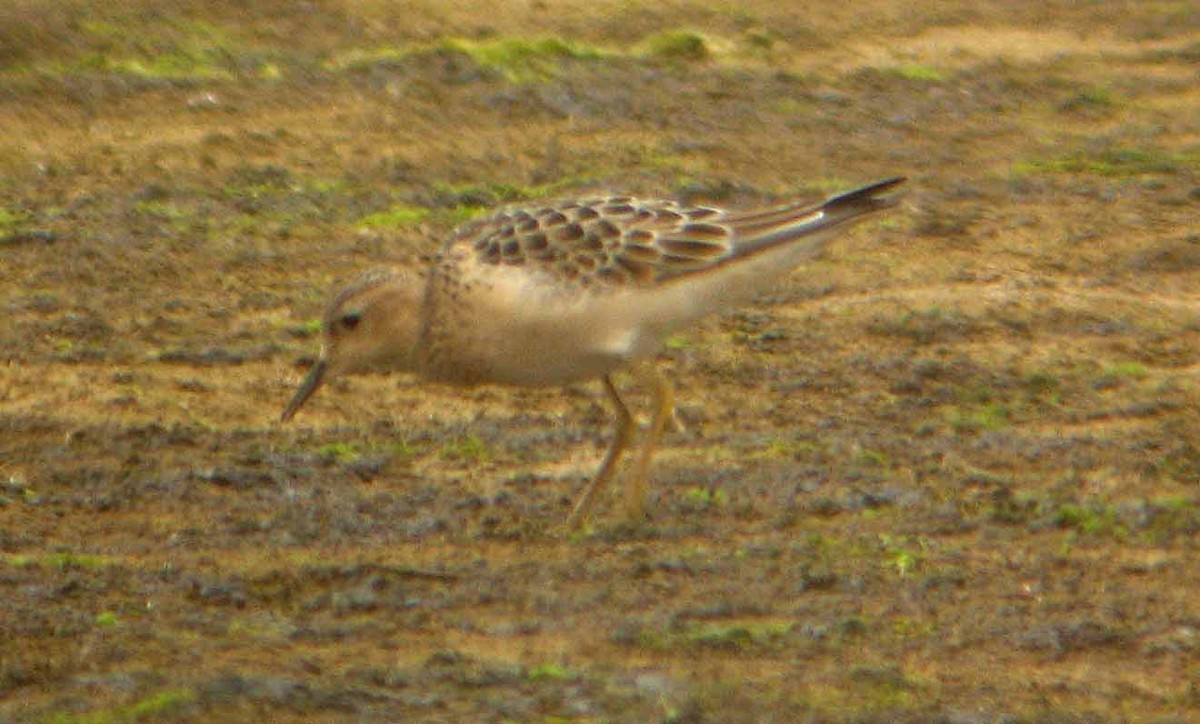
{"x": 554, "y": 293}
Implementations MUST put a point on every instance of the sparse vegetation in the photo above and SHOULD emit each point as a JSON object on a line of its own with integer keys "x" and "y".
{"x": 342, "y": 452}
{"x": 518, "y": 59}
{"x": 62, "y": 560}
{"x": 1090, "y": 100}
{"x": 927, "y": 326}
{"x": 1089, "y": 519}
{"x": 397, "y": 217}
{"x": 922, "y": 73}
{"x": 11, "y": 220}
{"x": 551, "y": 672}
{"x": 156, "y": 707}
{"x": 979, "y": 417}
{"x": 679, "y": 342}
{"x": 678, "y": 45}
{"x": 470, "y": 448}
{"x": 950, "y": 473}
{"x": 706, "y": 497}
{"x": 733, "y": 636}
{"x": 515, "y": 59}
{"x": 1116, "y": 162}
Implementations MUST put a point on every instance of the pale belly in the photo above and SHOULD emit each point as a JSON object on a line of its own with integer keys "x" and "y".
{"x": 536, "y": 342}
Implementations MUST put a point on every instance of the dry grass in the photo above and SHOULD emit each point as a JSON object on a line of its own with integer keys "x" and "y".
{"x": 948, "y": 472}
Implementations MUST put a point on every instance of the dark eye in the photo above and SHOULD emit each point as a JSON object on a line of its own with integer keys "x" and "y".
{"x": 350, "y": 320}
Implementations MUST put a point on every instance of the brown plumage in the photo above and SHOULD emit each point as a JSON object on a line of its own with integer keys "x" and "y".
{"x": 567, "y": 291}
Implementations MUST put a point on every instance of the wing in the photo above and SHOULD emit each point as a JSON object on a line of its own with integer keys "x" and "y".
{"x": 621, "y": 240}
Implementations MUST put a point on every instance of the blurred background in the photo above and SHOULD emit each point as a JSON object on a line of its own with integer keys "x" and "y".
{"x": 946, "y": 473}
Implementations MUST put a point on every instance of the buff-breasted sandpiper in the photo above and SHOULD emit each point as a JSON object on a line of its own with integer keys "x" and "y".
{"x": 568, "y": 291}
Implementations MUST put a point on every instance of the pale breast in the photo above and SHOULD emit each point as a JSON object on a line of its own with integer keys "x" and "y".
{"x": 515, "y": 325}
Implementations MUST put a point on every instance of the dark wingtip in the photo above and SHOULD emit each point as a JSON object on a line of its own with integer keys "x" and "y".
{"x": 871, "y": 197}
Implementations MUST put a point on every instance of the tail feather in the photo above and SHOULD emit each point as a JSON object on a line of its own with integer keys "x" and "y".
{"x": 865, "y": 200}
{"x": 766, "y": 246}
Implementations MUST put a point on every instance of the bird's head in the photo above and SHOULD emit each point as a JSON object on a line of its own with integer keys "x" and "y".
{"x": 371, "y": 325}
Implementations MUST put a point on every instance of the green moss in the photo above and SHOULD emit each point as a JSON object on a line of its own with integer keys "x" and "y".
{"x": 922, "y": 73}
{"x": 1114, "y": 375}
{"x": 530, "y": 60}
{"x": 517, "y": 60}
{"x": 310, "y": 328}
{"x": 1176, "y": 503}
{"x": 760, "y": 41}
{"x": 160, "y": 706}
{"x": 1090, "y": 99}
{"x": 168, "y": 65}
{"x": 269, "y": 71}
{"x": 678, "y": 342}
{"x": 161, "y": 210}
{"x": 678, "y": 45}
{"x": 55, "y": 560}
{"x": 461, "y": 214}
{"x": 881, "y": 689}
{"x": 319, "y": 186}
{"x": 551, "y": 672}
{"x": 1115, "y": 162}
{"x": 522, "y": 60}
{"x": 469, "y": 448}
{"x": 342, "y": 452}
{"x": 978, "y": 418}
{"x": 396, "y": 217}
{"x": 913, "y": 627}
{"x": 1133, "y": 370}
{"x": 486, "y": 194}
{"x": 102, "y": 29}
{"x": 792, "y": 449}
{"x": 705, "y": 497}
{"x": 11, "y": 220}
{"x": 357, "y": 58}
{"x": 903, "y": 554}
{"x": 169, "y": 48}
{"x": 1092, "y": 519}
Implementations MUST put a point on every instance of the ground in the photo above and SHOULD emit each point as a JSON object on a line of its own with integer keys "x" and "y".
{"x": 948, "y": 472}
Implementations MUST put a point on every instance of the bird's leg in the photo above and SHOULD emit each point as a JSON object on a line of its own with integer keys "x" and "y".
{"x": 620, "y": 441}
{"x": 664, "y": 410}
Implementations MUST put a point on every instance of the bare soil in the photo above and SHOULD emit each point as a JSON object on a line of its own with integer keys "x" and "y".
{"x": 949, "y": 472}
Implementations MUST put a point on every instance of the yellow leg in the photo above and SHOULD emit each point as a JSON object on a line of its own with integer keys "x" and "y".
{"x": 664, "y": 410}
{"x": 625, "y": 428}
